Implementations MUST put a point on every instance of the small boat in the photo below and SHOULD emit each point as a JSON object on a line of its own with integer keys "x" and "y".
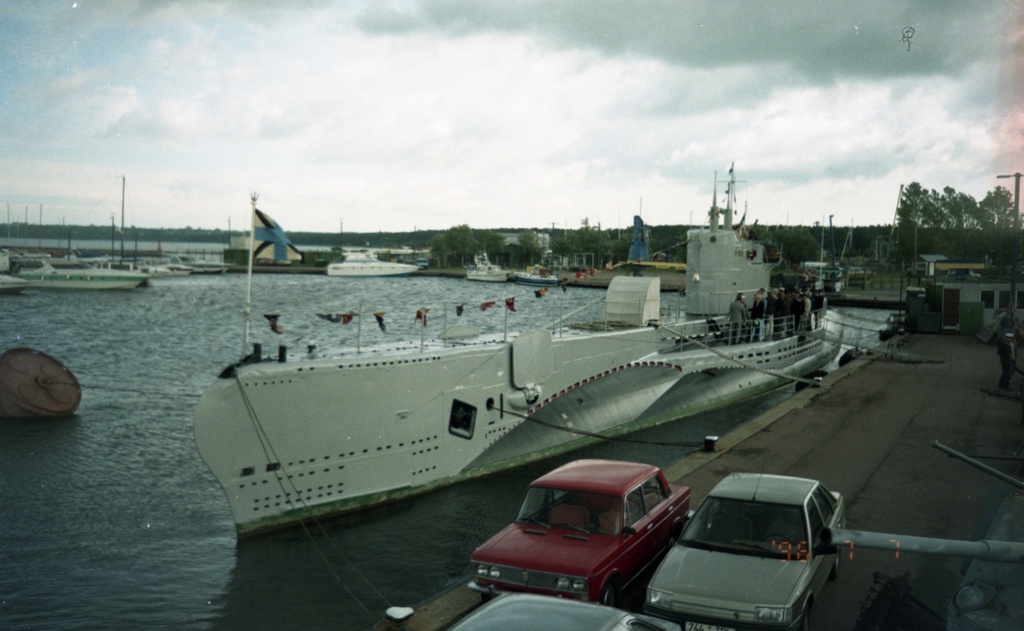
{"x": 35, "y": 385}
{"x": 537, "y": 276}
{"x": 306, "y": 437}
{"x": 364, "y": 263}
{"x": 197, "y": 266}
{"x": 485, "y": 271}
{"x": 82, "y": 275}
{"x": 159, "y": 269}
{"x": 13, "y": 284}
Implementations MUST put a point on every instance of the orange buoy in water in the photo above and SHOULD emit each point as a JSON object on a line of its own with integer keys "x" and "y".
{"x": 33, "y": 384}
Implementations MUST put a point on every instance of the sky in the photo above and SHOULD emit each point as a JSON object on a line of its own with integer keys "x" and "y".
{"x": 389, "y": 115}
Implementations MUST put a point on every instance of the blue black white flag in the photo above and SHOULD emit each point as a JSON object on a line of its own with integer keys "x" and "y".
{"x": 269, "y": 242}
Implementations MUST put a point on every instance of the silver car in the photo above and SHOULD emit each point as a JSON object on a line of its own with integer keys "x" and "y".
{"x": 519, "y": 612}
{"x": 751, "y": 557}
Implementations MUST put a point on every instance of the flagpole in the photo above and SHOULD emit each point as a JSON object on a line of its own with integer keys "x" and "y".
{"x": 248, "y": 295}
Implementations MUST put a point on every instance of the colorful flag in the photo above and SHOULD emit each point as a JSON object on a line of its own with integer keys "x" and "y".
{"x": 421, "y": 314}
{"x": 269, "y": 242}
{"x": 344, "y": 318}
{"x": 510, "y": 303}
{"x": 540, "y": 293}
{"x": 274, "y": 326}
{"x": 487, "y": 305}
{"x": 380, "y": 320}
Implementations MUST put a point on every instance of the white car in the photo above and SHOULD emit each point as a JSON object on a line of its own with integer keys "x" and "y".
{"x": 749, "y": 558}
{"x": 522, "y": 612}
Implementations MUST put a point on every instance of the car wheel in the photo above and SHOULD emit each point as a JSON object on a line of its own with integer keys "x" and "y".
{"x": 610, "y": 593}
{"x": 673, "y": 538}
{"x": 833, "y": 574}
{"x": 805, "y": 622}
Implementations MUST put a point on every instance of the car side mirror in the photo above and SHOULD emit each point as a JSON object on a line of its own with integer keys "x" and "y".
{"x": 629, "y": 530}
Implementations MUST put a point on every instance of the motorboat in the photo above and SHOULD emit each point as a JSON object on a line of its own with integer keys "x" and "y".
{"x": 485, "y": 271}
{"x": 78, "y": 274}
{"x": 292, "y": 439}
{"x": 13, "y": 284}
{"x": 537, "y": 276}
{"x": 197, "y": 265}
{"x": 363, "y": 263}
{"x": 165, "y": 269}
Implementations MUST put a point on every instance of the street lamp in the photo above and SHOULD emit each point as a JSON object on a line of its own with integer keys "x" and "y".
{"x": 1016, "y": 236}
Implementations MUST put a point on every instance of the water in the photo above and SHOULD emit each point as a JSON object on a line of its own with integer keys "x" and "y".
{"x": 110, "y": 519}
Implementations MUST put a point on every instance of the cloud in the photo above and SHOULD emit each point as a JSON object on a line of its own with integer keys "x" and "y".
{"x": 393, "y": 114}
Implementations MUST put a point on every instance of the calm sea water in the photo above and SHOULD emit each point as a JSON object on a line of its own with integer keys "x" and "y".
{"x": 111, "y": 520}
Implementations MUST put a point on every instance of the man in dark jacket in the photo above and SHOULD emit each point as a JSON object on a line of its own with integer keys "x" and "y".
{"x": 1007, "y": 359}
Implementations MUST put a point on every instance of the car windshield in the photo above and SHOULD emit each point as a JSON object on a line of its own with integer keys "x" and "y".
{"x": 748, "y": 527}
{"x": 582, "y": 511}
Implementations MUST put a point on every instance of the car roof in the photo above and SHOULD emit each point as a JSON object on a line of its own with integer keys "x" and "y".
{"x": 515, "y": 612}
{"x": 764, "y": 487}
{"x": 602, "y": 476}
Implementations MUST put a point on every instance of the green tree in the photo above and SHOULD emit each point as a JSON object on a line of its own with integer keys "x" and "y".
{"x": 453, "y": 247}
{"x": 529, "y": 247}
{"x": 491, "y": 243}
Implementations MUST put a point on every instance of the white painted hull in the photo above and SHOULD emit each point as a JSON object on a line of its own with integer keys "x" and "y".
{"x": 13, "y": 284}
{"x": 496, "y": 275}
{"x": 330, "y": 436}
{"x": 87, "y": 279}
{"x": 536, "y": 281}
{"x": 377, "y": 269}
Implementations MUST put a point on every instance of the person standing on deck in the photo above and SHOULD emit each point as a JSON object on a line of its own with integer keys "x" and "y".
{"x": 1007, "y": 359}
{"x": 757, "y": 314}
{"x": 770, "y": 309}
{"x": 738, "y": 318}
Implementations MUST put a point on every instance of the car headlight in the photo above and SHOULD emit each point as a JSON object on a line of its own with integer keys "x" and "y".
{"x": 659, "y": 598}
{"x": 770, "y": 614}
{"x": 568, "y": 583}
{"x": 488, "y": 571}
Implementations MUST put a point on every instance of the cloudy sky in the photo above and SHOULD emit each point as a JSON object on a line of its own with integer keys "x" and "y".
{"x": 393, "y": 115}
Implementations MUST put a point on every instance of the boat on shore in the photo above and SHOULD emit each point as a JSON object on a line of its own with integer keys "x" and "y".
{"x": 364, "y": 263}
{"x": 485, "y": 271}
{"x": 290, "y": 440}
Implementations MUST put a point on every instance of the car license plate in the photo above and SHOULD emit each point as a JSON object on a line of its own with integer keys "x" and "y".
{"x": 697, "y": 626}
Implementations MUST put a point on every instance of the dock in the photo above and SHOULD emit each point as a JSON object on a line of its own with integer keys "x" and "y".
{"x": 868, "y": 432}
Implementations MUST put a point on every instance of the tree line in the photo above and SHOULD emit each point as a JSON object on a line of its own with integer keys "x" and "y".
{"x": 944, "y": 222}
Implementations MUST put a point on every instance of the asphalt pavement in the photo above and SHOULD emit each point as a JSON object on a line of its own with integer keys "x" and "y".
{"x": 869, "y": 432}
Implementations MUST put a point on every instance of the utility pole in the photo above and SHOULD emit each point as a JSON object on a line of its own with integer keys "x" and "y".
{"x": 1016, "y": 237}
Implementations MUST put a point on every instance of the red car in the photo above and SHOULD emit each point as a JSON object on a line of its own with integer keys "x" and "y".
{"x": 585, "y": 531}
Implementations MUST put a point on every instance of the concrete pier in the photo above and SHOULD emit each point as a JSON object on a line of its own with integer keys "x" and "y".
{"x": 868, "y": 432}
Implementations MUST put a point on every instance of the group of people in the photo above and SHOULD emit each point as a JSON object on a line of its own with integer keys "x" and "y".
{"x": 775, "y": 313}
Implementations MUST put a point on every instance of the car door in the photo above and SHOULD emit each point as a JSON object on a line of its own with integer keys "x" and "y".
{"x": 638, "y": 540}
{"x": 660, "y": 524}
